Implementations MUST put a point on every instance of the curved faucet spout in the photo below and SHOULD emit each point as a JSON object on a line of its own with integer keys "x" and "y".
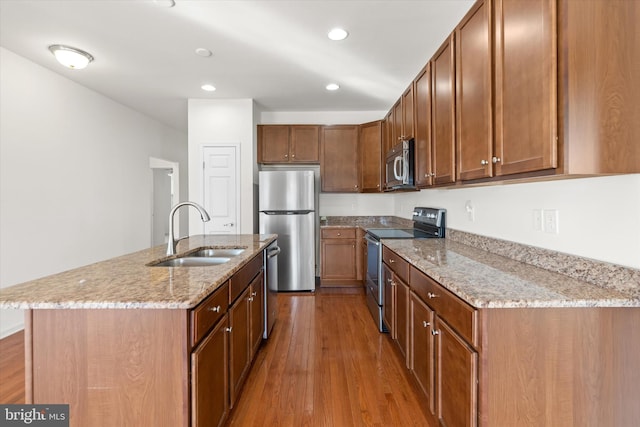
{"x": 171, "y": 245}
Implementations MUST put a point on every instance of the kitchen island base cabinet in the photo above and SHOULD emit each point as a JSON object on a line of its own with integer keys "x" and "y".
{"x": 239, "y": 343}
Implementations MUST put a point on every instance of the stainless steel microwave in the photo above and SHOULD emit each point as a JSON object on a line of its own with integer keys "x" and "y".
{"x": 399, "y": 166}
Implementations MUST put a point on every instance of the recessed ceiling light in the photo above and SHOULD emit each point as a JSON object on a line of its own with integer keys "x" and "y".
{"x": 208, "y": 87}
{"x": 70, "y": 57}
{"x": 201, "y": 51}
{"x": 337, "y": 34}
{"x": 333, "y": 86}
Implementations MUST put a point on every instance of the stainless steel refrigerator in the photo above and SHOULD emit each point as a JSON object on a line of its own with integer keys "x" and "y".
{"x": 286, "y": 203}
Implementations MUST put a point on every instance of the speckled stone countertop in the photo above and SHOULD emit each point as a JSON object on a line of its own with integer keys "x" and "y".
{"x": 127, "y": 282}
{"x": 365, "y": 222}
{"x": 486, "y": 280}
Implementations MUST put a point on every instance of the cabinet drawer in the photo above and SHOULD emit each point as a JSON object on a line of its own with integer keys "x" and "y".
{"x": 396, "y": 263}
{"x": 208, "y": 312}
{"x": 338, "y": 233}
{"x": 457, "y": 313}
{"x": 243, "y": 277}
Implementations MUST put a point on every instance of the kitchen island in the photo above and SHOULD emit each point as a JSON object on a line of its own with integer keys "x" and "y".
{"x": 124, "y": 343}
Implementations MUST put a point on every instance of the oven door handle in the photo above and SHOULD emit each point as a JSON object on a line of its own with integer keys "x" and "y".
{"x": 372, "y": 241}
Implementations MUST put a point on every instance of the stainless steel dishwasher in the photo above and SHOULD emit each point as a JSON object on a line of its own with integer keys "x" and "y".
{"x": 270, "y": 287}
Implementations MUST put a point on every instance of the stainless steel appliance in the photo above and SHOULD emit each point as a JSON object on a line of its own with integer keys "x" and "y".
{"x": 270, "y": 287}
{"x": 400, "y": 165}
{"x": 286, "y": 202}
{"x": 427, "y": 223}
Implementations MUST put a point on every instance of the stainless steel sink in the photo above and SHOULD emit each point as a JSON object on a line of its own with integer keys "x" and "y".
{"x": 217, "y": 252}
{"x": 192, "y": 261}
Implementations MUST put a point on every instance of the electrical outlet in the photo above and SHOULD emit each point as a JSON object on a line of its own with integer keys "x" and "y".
{"x": 551, "y": 218}
{"x": 537, "y": 219}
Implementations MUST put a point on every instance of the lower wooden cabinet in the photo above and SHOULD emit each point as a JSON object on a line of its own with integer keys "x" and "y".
{"x": 340, "y": 257}
{"x": 389, "y": 297}
{"x": 210, "y": 377}
{"x": 422, "y": 348}
{"x": 239, "y": 351}
{"x": 456, "y": 378}
{"x": 396, "y": 300}
{"x": 256, "y": 309}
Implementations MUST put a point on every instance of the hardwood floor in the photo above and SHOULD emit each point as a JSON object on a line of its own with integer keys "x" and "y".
{"x": 325, "y": 364}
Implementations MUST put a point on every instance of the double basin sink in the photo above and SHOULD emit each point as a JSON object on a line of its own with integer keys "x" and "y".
{"x": 200, "y": 258}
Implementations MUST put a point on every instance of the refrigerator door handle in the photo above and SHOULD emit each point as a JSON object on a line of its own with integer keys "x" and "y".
{"x": 273, "y": 252}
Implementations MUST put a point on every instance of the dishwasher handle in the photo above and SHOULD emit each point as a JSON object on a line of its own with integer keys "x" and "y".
{"x": 372, "y": 241}
{"x": 273, "y": 252}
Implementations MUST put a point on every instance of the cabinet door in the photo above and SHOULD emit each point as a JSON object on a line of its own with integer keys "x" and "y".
{"x": 421, "y": 348}
{"x": 339, "y": 259}
{"x": 473, "y": 94}
{"x": 397, "y": 123}
{"x": 273, "y": 144}
{"x": 305, "y": 144}
{"x": 210, "y": 378}
{"x": 370, "y": 157}
{"x": 407, "y": 113}
{"x": 239, "y": 357}
{"x": 443, "y": 113}
{"x": 402, "y": 316}
{"x": 257, "y": 312}
{"x": 389, "y": 303}
{"x": 339, "y": 159}
{"x": 423, "y": 127}
{"x": 456, "y": 378}
{"x": 525, "y": 86}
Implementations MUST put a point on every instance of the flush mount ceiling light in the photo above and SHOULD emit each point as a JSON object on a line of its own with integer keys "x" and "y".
{"x": 333, "y": 86}
{"x": 208, "y": 87}
{"x": 71, "y": 57}
{"x": 204, "y": 52}
{"x": 337, "y": 34}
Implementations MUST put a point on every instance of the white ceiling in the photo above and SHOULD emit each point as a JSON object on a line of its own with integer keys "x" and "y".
{"x": 273, "y": 51}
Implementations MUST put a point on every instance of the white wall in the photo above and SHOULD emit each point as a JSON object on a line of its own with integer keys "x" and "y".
{"x": 214, "y": 121}
{"x": 599, "y": 216}
{"x": 75, "y": 182}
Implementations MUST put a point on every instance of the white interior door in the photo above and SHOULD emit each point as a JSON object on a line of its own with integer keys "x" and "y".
{"x": 221, "y": 188}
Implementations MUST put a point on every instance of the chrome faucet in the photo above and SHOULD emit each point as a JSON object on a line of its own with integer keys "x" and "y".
{"x": 173, "y": 242}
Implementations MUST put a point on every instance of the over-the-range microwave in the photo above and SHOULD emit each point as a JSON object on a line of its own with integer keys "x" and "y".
{"x": 399, "y": 166}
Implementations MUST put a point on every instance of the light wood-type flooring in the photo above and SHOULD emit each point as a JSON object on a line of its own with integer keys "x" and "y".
{"x": 325, "y": 364}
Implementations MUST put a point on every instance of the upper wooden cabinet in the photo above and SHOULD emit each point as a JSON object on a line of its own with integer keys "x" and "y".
{"x": 371, "y": 157}
{"x": 422, "y": 86}
{"x": 288, "y": 143}
{"x": 443, "y": 115}
{"x": 600, "y": 88}
{"x": 525, "y": 86}
{"x": 474, "y": 118}
{"x": 408, "y": 129}
{"x": 339, "y": 159}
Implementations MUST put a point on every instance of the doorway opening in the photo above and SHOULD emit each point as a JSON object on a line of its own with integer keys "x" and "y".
{"x": 165, "y": 193}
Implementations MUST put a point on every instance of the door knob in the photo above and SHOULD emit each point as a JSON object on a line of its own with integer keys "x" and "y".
{"x": 229, "y": 224}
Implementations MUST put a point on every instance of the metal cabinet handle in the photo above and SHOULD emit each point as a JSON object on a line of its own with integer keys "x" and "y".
{"x": 339, "y": 234}
{"x": 215, "y": 309}
{"x": 435, "y": 332}
{"x": 391, "y": 261}
{"x": 253, "y": 294}
{"x": 293, "y": 156}
{"x": 425, "y": 324}
{"x": 484, "y": 162}
{"x": 229, "y": 329}
{"x": 286, "y": 156}
{"x": 430, "y": 295}
{"x": 389, "y": 281}
{"x": 250, "y": 299}
{"x": 495, "y": 159}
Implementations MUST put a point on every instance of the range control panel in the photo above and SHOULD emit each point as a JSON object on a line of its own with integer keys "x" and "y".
{"x": 429, "y": 216}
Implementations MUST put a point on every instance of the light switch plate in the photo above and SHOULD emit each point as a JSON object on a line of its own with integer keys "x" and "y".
{"x": 551, "y": 219}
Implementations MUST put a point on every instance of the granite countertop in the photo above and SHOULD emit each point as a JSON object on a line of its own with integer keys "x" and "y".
{"x": 127, "y": 282}
{"x": 486, "y": 280}
{"x": 365, "y": 222}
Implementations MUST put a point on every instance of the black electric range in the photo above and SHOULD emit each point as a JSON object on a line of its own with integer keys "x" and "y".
{"x": 428, "y": 223}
